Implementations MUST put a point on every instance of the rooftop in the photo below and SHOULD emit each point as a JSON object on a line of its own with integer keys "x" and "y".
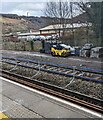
{"x": 60, "y": 26}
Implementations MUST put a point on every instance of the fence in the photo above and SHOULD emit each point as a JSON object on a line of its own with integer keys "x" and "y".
{"x": 22, "y": 45}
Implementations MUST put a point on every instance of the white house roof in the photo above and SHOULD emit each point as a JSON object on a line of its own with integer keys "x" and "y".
{"x": 27, "y": 34}
{"x": 60, "y": 26}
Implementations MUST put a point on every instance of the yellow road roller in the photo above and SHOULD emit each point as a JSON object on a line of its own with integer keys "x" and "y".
{"x": 59, "y": 50}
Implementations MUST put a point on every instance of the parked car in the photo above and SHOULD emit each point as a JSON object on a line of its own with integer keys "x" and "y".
{"x": 39, "y": 38}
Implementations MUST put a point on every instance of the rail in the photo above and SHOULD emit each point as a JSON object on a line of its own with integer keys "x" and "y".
{"x": 96, "y": 71}
{"x": 49, "y": 68}
{"x": 75, "y": 97}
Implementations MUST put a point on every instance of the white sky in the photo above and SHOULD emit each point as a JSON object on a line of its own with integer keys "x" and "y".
{"x": 21, "y": 7}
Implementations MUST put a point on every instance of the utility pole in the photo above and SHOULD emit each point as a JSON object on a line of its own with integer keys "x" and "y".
{"x": 27, "y": 14}
{"x": 27, "y": 21}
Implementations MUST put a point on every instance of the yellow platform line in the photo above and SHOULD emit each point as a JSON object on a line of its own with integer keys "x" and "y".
{"x": 3, "y": 116}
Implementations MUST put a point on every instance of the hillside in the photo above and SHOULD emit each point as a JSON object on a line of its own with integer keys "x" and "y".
{"x": 39, "y": 22}
{"x": 15, "y": 23}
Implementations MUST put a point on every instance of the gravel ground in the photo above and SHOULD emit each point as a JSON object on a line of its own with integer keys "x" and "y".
{"x": 92, "y": 89}
{"x": 86, "y": 87}
{"x": 69, "y": 61}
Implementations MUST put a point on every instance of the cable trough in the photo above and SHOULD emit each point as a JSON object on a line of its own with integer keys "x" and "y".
{"x": 75, "y": 97}
{"x": 88, "y": 74}
{"x": 56, "y": 65}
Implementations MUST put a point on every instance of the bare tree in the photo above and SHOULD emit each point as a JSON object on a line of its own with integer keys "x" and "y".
{"x": 60, "y": 12}
{"x": 93, "y": 11}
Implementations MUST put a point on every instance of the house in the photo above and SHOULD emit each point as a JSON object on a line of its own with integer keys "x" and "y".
{"x": 58, "y": 28}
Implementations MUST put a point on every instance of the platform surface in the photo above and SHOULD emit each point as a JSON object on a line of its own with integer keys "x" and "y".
{"x": 19, "y": 102}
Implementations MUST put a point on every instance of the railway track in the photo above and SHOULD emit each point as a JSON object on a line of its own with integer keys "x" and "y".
{"x": 75, "y": 97}
{"x": 60, "y": 69}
